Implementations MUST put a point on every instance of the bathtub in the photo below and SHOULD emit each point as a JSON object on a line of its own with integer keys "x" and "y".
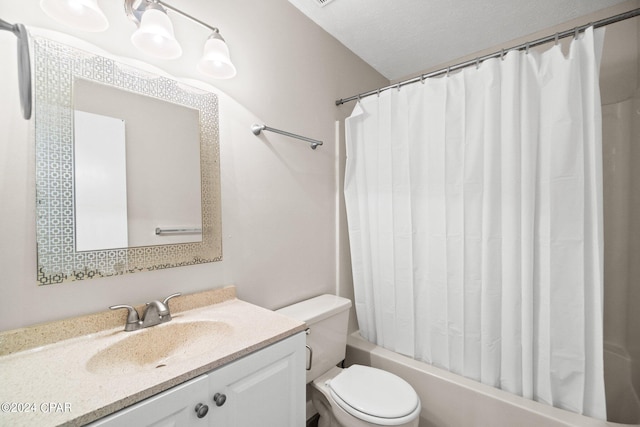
{"x": 449, "y": 400}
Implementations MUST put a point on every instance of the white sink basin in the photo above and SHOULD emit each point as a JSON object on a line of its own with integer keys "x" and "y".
{"x": 158, "y": 346}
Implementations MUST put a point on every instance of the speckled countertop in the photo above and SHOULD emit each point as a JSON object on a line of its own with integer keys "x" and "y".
{"x": 60, "y": 373}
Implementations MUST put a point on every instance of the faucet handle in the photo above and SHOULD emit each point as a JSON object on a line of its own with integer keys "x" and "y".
{"x": 166, "y": 300}
{"x": 132, "y": 317}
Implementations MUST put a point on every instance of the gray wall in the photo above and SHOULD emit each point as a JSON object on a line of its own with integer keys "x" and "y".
{"x": 279, "y": 198}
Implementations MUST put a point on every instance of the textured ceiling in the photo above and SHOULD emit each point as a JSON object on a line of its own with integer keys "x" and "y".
{"x": 403, "y": 37}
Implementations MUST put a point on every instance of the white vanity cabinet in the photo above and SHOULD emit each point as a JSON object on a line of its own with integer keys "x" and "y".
{"x": 264, "y": 388}
{"x": 174, "y": 407}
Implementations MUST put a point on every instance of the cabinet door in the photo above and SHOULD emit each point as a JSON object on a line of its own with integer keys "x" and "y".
{"x": 174, "y": 407}
{"x": 266, "y": 388}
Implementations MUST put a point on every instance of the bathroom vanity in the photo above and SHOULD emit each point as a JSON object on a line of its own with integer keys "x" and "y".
{"x": 259, "y": 389}
{"x": 219, "y": 361}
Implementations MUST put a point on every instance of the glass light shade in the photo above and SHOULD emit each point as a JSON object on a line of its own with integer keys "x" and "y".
{"x": 83, "y": 15}
{"x": 216, "y": 61}
{"x": 155, "y": 35}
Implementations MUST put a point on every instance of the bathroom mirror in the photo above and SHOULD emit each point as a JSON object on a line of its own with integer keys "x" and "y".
{"x": 127, "y": 168}
{"x": 136, "y": 168}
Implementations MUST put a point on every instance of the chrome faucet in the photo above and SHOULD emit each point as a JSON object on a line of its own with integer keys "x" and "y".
{"x": 155, "y": 313}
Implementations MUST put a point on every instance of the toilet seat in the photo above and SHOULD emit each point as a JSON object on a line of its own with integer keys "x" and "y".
{"x": 374, "y": 395}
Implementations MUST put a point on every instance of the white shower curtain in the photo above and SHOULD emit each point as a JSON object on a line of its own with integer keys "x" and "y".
{"x": 474, "y": 205}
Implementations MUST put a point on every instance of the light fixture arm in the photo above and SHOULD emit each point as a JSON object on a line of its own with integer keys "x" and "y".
{"x": 178, "y": 11}
{"x": 135, "y": 8}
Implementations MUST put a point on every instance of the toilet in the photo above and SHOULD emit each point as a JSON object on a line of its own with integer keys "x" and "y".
{"x": 357, "y": 396}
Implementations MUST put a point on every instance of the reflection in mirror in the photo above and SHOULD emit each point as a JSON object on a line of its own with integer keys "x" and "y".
{"x": 159, "y": 167}
{"x": 100, "y": 175}
{"x": 121, "y": 152}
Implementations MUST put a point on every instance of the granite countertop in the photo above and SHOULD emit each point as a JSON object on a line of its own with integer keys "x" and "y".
{"x": 48, "y": 372}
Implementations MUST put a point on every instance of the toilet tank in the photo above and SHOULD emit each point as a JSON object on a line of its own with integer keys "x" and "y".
{"x": 327, "y": 317}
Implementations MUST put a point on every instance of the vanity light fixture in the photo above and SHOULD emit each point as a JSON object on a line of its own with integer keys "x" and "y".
{"x": 83, "y": 15}
{"x": 155, "y": 37}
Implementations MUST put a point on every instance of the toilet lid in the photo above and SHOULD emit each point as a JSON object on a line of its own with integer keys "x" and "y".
{"x": 374, "y": 392}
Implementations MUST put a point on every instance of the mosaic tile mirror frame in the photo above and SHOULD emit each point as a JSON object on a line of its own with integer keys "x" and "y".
{"x": 56, "y": 66}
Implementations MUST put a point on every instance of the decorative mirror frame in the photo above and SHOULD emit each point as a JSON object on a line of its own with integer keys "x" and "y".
{"x": 56, "y": 67}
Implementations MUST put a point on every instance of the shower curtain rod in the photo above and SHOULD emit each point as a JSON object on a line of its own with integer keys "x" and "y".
{"x": 573, "y": 32}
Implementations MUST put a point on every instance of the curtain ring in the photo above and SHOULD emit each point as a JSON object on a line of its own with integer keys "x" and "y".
{"x": 378, "y": 93}
{"x": 398, "y": 86}
{"x": 477, "y": 63}
{"x": 422, "y": 79}
{"x": 448, "y": 70}
{"x": 577, "y": 33}
{"x": 557, "y": 38}
{"x": 526, "y": 49}
{"x": 502, "y": 54}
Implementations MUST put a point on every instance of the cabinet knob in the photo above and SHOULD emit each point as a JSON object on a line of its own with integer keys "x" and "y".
{"x": 219, "y": 398}
{"x": 201, "y": 410}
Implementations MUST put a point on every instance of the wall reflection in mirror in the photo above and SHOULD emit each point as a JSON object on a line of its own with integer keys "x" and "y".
{"x": 121, "y": 152}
